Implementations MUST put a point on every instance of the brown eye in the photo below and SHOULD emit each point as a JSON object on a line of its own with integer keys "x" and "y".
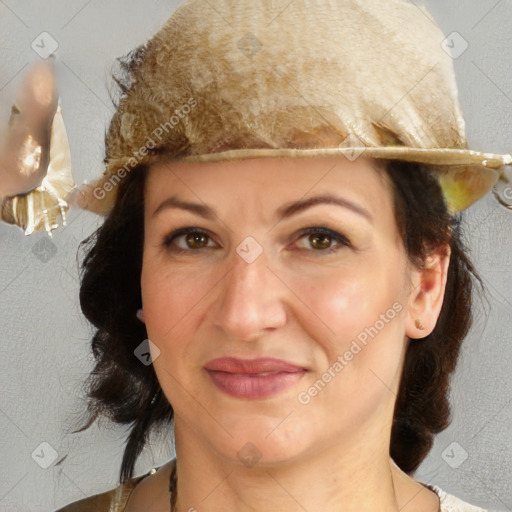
{"x": 189, "y": 238}
{"x": 196, "y": 240}
{"x": 322, "y": 239}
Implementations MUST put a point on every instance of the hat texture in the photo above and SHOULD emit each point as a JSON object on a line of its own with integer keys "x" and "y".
{"x": 227, "y": 79}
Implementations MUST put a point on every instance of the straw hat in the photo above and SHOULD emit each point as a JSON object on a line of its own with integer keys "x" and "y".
{"x": 225, "y": 79}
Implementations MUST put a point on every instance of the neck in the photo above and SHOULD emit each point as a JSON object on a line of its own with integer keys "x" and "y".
{"x": 349, "y": 477}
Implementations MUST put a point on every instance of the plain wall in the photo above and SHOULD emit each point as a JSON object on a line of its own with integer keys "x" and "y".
{"x": 44, "y": 338}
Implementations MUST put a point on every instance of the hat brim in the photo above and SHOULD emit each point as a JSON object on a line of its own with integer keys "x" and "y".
{"x": 465, "y": 175}
{"x": 435, "y": 156}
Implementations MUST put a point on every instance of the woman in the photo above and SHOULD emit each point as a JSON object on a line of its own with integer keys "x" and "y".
{"x": 336, "y": 299}
{"x": 281, "y": 271}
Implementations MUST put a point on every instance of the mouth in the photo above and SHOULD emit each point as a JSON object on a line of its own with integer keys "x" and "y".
{"x": 253, "y": 378}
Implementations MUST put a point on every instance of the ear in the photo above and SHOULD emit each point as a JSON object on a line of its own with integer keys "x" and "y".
{"x": 427, "y": 293}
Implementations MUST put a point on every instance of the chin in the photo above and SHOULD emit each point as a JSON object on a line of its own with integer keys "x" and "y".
{"x": 263, "y": 441}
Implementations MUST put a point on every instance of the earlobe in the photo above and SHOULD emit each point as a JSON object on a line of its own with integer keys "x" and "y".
{"x": 418, "y": 324}
{"x": 426, "y": 298}
{"x": 140, "y": 315}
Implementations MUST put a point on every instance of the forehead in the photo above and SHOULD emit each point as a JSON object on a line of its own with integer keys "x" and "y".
{"x": 274, "y": 178}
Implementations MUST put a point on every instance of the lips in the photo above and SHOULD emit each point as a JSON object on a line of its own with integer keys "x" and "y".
{"x": 253, "y": 378}
{"x": 252, "y": 366}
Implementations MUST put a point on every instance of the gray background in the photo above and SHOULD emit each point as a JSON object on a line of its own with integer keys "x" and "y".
{"x": 44, "y": 338}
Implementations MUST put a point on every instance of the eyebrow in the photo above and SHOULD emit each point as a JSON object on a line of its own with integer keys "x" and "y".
{"x": 285, "y": 211}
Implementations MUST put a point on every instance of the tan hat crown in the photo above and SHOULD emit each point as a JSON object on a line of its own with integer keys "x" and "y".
{"x": 245, "y": 79}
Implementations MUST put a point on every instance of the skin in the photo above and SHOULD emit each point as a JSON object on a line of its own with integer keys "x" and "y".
{"x": 297, "y": 302}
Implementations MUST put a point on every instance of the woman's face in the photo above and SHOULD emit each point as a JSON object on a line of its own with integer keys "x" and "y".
{"x": 248, "y": 282}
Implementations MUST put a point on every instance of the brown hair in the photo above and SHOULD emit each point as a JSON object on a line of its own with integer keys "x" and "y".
{"x": 126, "y": 391}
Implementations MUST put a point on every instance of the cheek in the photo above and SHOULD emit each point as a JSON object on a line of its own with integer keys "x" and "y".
{"x": 358, "y": 317}
{"x": 358, "y": 363}
{"x": 171, "y": 305}
{"x": 168, "y": 300}
{"x": 342, "y": 304}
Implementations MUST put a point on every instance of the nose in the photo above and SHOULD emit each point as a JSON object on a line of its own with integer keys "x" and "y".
{"x": 250, "y": 300}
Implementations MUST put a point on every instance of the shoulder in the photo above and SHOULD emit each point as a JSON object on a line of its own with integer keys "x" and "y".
{"x": 116, "y": 499}
{"x": 153, "y": 492}
{"x": 450, "y": 503}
